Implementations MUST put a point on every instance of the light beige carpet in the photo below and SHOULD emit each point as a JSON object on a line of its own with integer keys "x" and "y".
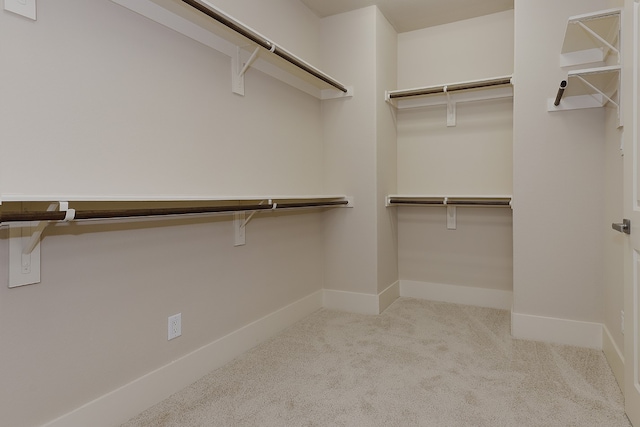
{"x": 420, "y": 363}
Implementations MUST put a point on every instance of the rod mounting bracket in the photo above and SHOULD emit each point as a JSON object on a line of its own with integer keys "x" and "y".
{"x": 451, "y": 109}
{"x": 24, "y": 247}
{"x": 239, "y": 68}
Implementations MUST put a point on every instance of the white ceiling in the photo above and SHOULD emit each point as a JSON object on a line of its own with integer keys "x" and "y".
{"x": 409, "y": 15}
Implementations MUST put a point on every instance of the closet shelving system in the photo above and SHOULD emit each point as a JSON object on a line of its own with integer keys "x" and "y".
{"x": 591, "y": 40}
{"x": 205, "y": 23}
{"x": 26, "y": 227}
{"x": 449, "y": 95}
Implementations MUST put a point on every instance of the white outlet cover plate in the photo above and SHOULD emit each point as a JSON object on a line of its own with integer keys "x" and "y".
{"x": 25, "y": 8}
{"x": 175, "y": 326}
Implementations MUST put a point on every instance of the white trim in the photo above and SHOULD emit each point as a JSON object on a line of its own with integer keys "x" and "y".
{"x": 614, "y": 356}
{"x": 129, "y": 400}
{"x": 183, "y": 25}
{"x": 582, "y": 57}
{"x": 388, "y": 296}
{"x": 356, "y": 302}
{"x": 560, "y": 331}
{"x": 481, "y": 297}
{"x": 353, "y": 302}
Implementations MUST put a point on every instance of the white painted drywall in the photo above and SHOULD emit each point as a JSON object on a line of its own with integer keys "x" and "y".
{"x": 349, "y": 50}
{"x": 98, "y": 320}
{"x": 472, "y": 158}
{"x": 558, "y": 185}
{"x": 118, "y": 105}
{"x": 360, "y": 147}
{"x": 386, "y": 153}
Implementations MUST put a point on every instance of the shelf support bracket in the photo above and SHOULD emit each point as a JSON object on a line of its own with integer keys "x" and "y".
{"x": 238, "y": 69}
{"x": 451, "y": 109}
{"x": 24, "y": 248}
{"x": 597, "y": 90}
{"x": 270, "y": 202}
{"x": 451, "y": 218}
{"x": 598, "y": 37}
{"x": 240, "y": 222}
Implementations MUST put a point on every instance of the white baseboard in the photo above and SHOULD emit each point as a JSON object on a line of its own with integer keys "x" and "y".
{"x": 480, "y": 297}
{"x": 360, "y": 303}
{"x": 129, "y": 400}
{"x": 388, "y": 296}
{"x": 614, "y": 356}
{"x": 560, "y": 331}
{"x": 353, "y": 302}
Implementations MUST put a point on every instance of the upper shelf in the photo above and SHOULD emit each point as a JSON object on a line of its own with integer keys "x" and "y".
{"x": 203, "y": 22}
{"x": 165, "y": 198}
{"x": 450, "y": 94}
{"x": 591, "y": 38}
{"x": 473, "y": 90}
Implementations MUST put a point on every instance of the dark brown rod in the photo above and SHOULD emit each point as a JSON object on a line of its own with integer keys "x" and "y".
{"x": 450, "y": 202}
{"x": 415, "y": 202}
{"x": 261, "y": 41}
{"x": 451, "y": 88}
{"x": 479, "y": 202}
{"x": 126, "y": 213}
{"x": 309, "y": 69}
{"x": 311, "y": 204}
{"x": 133, "y": 213}
{"x": 563, "y": 85}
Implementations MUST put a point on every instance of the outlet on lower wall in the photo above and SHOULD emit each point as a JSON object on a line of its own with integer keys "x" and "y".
{"x": 175, "y": 326}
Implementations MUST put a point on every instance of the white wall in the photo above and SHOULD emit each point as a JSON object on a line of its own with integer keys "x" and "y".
{"x": 121, "y": 106}
{"x": 472, "y": 49}
{"x": 360, "y": 147}
{"x": 348, "y": 42}
{"x": 559, "y": 177}
{"x": 349, "y": 50}
{"x": 614, "y": 242}
{"x": 477, "y": 254}
{"x": 386, "y": 154}
{"x": 98, "y": 320}
{"x": 472, "y": 158}
{"x": 289, "y": 23}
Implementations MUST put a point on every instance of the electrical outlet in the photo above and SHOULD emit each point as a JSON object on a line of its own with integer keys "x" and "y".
{"x": 622, "y": 321}
{"x": 175, "y": 326}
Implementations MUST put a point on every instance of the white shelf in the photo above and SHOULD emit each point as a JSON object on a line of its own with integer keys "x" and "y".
{"x": 188, "y": 21}
{"x": 472, "y": 90}
{"x": 160, "y": 198}
{"x": 591, "y": 38}
{"x": 451, "y": 94}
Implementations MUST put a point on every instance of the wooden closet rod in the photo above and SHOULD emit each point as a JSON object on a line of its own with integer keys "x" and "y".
{"x": 449, "y": 202}
{"x": 133, "y": 213}
{"x": 432, "y": 90}
{"x": 260, "y": 40}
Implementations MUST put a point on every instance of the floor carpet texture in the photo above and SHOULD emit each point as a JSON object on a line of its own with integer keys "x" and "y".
{"x": 420, "y": 363}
